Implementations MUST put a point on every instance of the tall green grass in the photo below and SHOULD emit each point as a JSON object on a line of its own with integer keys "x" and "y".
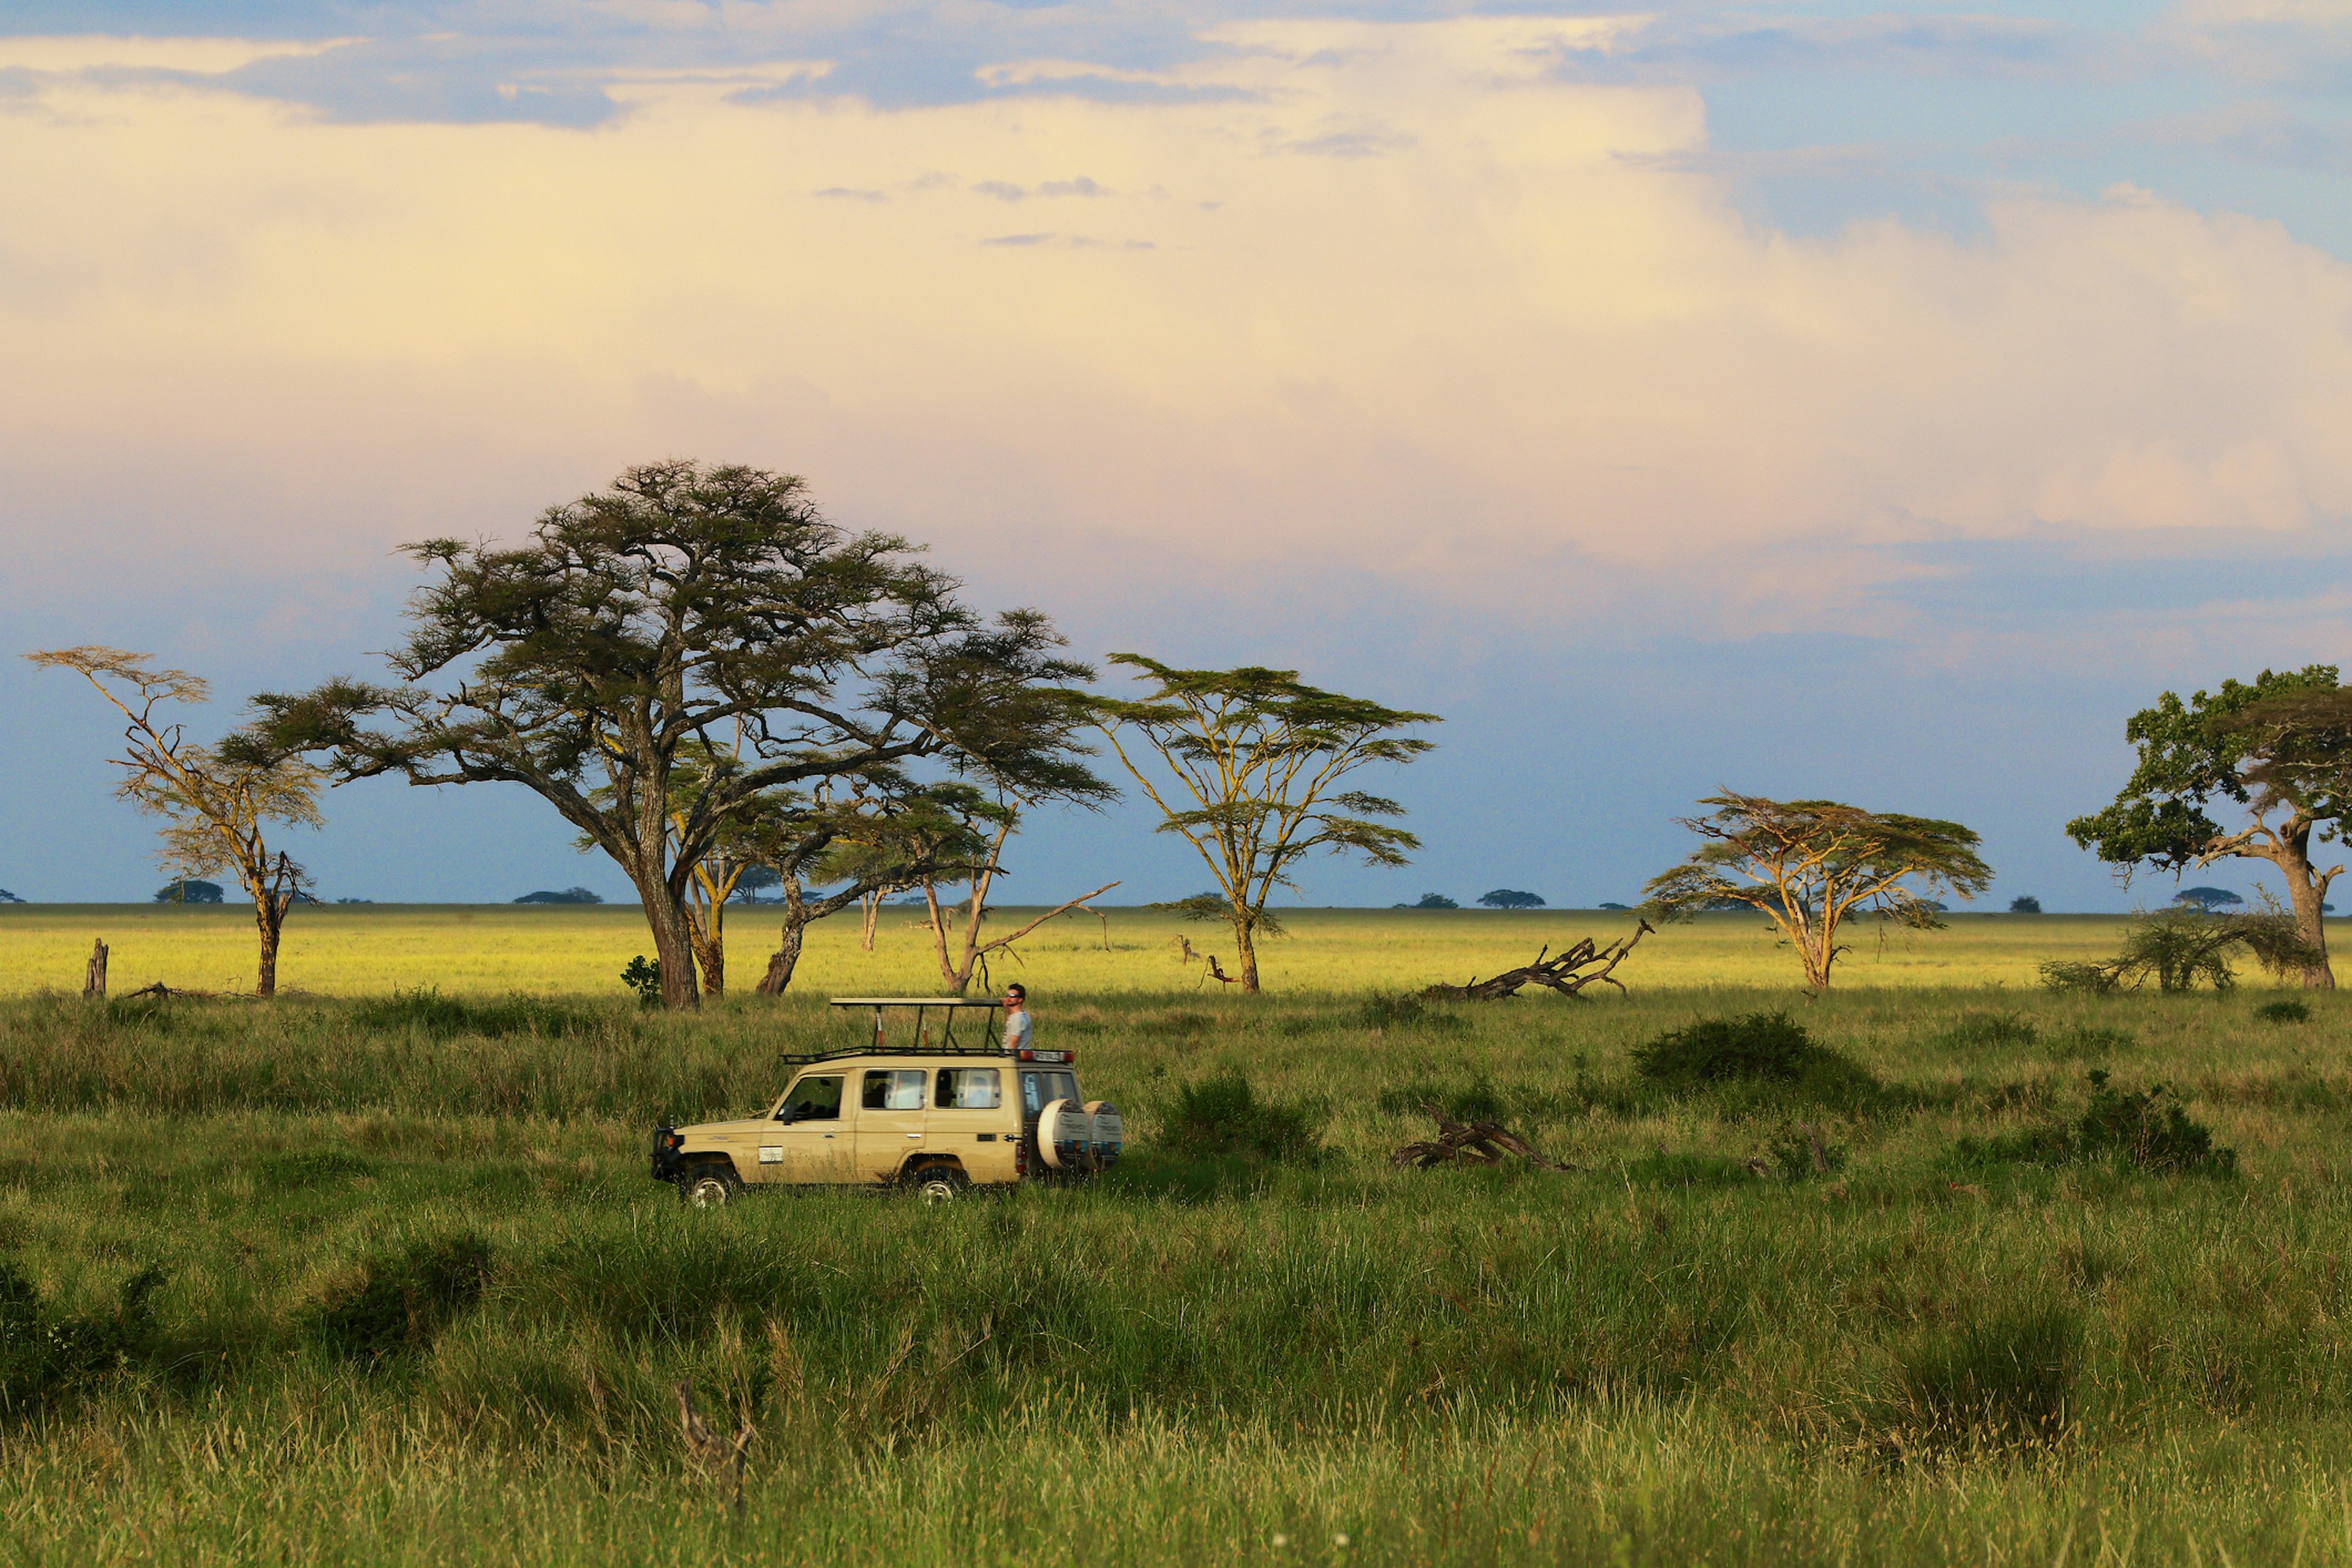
{"x": 387, "y": 1281}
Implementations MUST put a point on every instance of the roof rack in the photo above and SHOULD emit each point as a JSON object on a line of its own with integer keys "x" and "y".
{"x": 920, "y": 1045}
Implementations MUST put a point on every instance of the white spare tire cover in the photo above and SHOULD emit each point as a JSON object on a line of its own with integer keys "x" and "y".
{"x": 1062, "y": 1134}
{"x": 1109, "y": 1131}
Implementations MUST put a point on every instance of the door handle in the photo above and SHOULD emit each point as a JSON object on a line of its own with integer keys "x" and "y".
{"x": 914, "y": 1135}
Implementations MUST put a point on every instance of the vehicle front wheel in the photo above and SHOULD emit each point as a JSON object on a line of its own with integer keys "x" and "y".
{"x": 941, "y": 1184}
{"x": 709, "y": 1188}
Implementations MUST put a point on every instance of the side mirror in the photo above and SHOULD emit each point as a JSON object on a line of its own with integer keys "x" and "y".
{"x": 789, "y": 1115}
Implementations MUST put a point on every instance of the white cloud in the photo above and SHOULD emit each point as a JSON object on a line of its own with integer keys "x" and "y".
{"x": 1520, "y": 346}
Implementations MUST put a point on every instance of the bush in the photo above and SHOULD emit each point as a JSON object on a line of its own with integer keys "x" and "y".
{"x": 569, "y": 896}
{"x": 402, "y": 1301}
{"x": 2286, "y": 1010}
{"x": 2027, "y": 905}
{"x": 1223, "y": 1115}
{"x": 188, "y": 890}
{"x": 1510, "y": 899}
{"x": 644, "y": 977}
{"x": 2002, "y": 1381}
{"x": 2150, "y": 1129}
{"x": 44, "y": 1351}
{"x": 2180, "y": 949}
{"x": 1429, "y": 902}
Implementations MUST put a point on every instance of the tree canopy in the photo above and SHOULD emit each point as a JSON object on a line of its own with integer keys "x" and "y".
{"x": 693, "y": 608}
{"x": 1510, "y": 899}
{"x": 1809, "y": 865}
{"x": 2278, "y": 748}
{"x": 1249, "y": 770}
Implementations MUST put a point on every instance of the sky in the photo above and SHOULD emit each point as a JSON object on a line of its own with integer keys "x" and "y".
{"x": 1809, "y": 399}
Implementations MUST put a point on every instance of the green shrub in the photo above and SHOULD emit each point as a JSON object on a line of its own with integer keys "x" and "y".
{"x": 1769, "y": 1048}
{"x": 402, "y": 1301}
{"x": 643, "y": 976}
{"x": 2150, "y": 1129}
{"x": 1223, "y": 1115}
{"x": 2002, "y": 1381}
{"x": 44, "y": 1351}
{"x": 2286, "y": 1010}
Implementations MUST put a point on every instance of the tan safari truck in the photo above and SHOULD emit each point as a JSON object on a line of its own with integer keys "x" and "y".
{"x": 899, "y": 1110}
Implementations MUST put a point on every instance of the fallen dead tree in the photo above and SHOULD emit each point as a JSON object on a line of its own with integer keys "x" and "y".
{"x": 1470, "y": 1144}
{"x": 1568, "y": 972}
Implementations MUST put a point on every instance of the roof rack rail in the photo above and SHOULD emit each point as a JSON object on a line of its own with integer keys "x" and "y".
{"x": 919, "y": 1046}
{"x": 802, "y": 1059}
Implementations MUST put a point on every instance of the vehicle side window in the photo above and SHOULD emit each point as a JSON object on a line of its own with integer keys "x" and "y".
{"x": 813, "y": 1099}
{"x": 899, "y": 1088}
{"x": 969, "y": 1089}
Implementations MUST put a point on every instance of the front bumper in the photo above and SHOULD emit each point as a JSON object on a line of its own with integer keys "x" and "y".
{"x": 667, "y": 1158}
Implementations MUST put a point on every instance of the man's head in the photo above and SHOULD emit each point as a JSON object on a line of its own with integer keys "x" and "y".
{"x": 1016, "y": 996}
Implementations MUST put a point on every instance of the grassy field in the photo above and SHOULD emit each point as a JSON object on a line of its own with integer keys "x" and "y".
{"x": 374, "y": 1278}
{"x": 493, "y": 948}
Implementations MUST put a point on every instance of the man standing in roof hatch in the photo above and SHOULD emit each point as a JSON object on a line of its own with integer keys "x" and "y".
{"x": 1016, "y": 1019}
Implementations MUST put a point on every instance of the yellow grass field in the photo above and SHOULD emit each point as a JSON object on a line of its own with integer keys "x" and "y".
{"x": 497, "y": 949}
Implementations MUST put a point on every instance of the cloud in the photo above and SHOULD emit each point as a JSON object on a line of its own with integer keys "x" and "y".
{"x": 1529, "y": 362}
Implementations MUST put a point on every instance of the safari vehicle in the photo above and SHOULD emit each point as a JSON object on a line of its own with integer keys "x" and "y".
{"x": 936, "y": 1117}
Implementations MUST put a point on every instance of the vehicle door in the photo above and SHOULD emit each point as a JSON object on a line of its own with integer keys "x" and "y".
{"x": 809, "y": 1139}
{"x": 969, "y": 1121}
{"x": 889, "y": 1119}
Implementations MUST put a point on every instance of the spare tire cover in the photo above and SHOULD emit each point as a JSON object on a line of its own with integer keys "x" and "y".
{"x": 1109, "y": 1131}
{"x": 1062, "y": 1134}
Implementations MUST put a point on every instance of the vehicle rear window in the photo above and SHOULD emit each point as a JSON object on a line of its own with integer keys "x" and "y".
{"x": 899, "y": 1089}
{"x": 813, "y": 1099}
{"x": 969, "y": 1089}
{"x": 1040, "y": 1090}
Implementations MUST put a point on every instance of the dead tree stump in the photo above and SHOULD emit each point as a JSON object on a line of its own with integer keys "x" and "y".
{"x": 93, "y": 979}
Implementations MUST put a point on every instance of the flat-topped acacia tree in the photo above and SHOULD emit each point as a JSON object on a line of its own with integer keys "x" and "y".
{"x": 1811, "y": 865}
{"x": 2279, "y": 748}
{"x": 654, "y": 621}
{"x": 1251, "y": 761}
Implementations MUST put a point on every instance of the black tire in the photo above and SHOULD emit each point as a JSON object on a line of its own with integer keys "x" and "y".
{"x": 939, "y": 1184}
{"x": 709, "y": 1185}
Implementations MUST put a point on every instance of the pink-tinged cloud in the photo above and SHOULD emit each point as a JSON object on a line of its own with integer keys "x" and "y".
{"x": 1396, "y": 296}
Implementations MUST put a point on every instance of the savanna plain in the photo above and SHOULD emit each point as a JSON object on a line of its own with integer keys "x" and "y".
{"x": 375, "y": 1273}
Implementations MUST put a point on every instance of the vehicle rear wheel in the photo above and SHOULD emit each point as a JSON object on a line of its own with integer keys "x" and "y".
{"x": 940, "y": 1185}
{"x": 709, "y": 1188}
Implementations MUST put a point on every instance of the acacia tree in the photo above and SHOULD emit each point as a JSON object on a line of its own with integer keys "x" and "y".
{"x": 684, "y": 604}
{"x": 2280, "y": 748}
{"x": 1811, "y": 865}
{"x": 1253, "y": 761}
{"x": 213, "y": 802}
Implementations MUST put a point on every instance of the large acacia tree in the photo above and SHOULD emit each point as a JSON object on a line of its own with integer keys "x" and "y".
{"x": 1811, "y": 865}
{"x": 1249, "y": 770}
{"x": 653, "y": 622}
{"x": 2278, "y": 749}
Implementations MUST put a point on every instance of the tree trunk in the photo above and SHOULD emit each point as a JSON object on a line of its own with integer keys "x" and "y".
{"x": 673, "y": 933}
{"x": 1245, "y": 956}
{"x": 94, "y": 980}
{"x": 269, "y": 917}
{"x": 2308, "y": 895}
{"x": 787, "y": 956}
{"x": 871, "y": 912}
{"x": 708, "y": 936}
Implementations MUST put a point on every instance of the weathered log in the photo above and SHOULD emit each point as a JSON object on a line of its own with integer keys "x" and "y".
{"x": 93, "y": 978}
{"x": 1568, "y": 972}
{"x": 1470, "y": 1144}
